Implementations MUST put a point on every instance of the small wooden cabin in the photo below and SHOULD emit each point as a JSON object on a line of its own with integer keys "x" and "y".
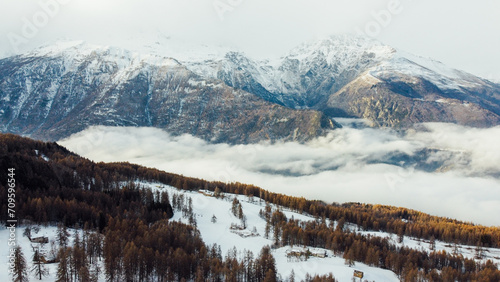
{"x": 41, "y": 240}
{"x": 358, "y": 274}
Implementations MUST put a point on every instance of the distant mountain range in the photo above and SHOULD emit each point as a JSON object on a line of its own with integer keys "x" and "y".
{"x": 63, "y": 88}
{"x": 349, "y": 76}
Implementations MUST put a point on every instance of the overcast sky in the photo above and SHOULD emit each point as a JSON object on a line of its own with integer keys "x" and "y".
{"x": 462, "y": 34}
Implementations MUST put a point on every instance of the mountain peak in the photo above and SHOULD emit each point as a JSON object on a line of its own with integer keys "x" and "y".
{"x": 78, "y": 51}
{"x": 337, "y": 47}
{"x": 338, "y": 76}
{"x": 61, "y": 89}
{"x": 334, "y": 74}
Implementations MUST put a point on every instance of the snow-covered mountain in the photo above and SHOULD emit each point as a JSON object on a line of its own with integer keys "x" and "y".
{"x": 345, "y": 75}
{"x": 61, "y": 89}
{"x": 222, "y": 95}
{"x": 299, "y": 77}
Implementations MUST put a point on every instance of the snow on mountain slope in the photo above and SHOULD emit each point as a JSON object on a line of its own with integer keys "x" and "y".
{"x": 470, "y": 252}
{"x": 73, "y": 53}
{"x": 205, "y": 206}
{"x": 27, "y": 248}
{"x": 310, "y": 74}
{"x": 342, "y": 53}
{"x": 434, "y": 71}
{"x": 297, "y": 77}
{"x": 331, "y": 263}
{"x": 220, "y": 232}
{"x": 42, "y": 89}
{"x": 335, "y": 56}
{"x": 61, "y": 89}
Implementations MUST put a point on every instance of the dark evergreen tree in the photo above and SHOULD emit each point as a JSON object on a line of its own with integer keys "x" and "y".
{"x": 63, "y": 271}
{"x": 19, "y": 272}
{"x": 38, "y": 268}
{"x": 62, "y": 235}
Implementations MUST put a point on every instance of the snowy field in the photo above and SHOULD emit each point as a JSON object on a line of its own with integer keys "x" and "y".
{"x": 27, "y": 248}
{"x": 205, "y": 206}
{"x": 220, "y": 233}
{"x": 425, "y": 245}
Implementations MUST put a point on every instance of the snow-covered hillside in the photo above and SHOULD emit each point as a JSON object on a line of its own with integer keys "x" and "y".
{"x": 27, "y": 248}
{"x": 326, "y": 65}
{"x": 205, "y": 206}
{"x": 61, "y": 89}
{"x": 470, "y": 252}
{"x": 298, "y": 78}
{"x": 218, "y": 225}
{"x": 302, "y": 77}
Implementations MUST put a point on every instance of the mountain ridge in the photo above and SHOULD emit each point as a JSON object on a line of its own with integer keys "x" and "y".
{"x": 311, "y": 76}
{"x": 54, "y": 92}
{"x": 61, "y": 89}
{"x": 129, "y": 204}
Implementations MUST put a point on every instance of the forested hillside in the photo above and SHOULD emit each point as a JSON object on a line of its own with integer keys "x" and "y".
{"x": 138, "y": 242}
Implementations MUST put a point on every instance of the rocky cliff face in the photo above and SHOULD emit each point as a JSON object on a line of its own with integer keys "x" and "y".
{"x": 402, "y": 100}
{"x": 348, "y": 76}
{"x": 59, "y": 90}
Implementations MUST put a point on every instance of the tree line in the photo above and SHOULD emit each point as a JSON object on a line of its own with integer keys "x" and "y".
{"x": 125, "y": 226}
{"x": 74, "y": 191}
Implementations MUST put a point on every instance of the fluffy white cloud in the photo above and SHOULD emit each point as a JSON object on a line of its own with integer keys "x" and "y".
{"x": 361, "y": 165}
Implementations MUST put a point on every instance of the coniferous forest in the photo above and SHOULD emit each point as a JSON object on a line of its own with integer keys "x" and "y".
{"x": 128, "y": 228}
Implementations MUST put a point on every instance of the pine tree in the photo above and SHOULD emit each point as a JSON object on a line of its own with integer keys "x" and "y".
{"x": 199, "y": 277}
{"x": 83, "y": 273}
{"x": 479, "y": 253}
{"x": 63, "y": 272}
{"x": 27, "y": 232}
{"x": 372, "y": 257}
{"x": 276, "y": 235}
{"x": 217, "y": 192}
{"x": 94, "y": 246}
{"x": 266, "y": 265}
{"x": 130, "y": 261}
{"x": 248, "y": 263}
{"x": 267, "y": 230}
{"x": 292, "y": 276}
{"x": 234, "y": 207}
{"x": 19, "y": 273}
{"x": 239, "y": 213}
{"x": 62, "y": 235}
{"x": 95, "y": 272}
{"x": 270, "y": 276}
{"x": 349, "y": 257}
{"x": 432, "y": 244}
{"x": 78, "y": 257}
{"x": 38, "y": 267}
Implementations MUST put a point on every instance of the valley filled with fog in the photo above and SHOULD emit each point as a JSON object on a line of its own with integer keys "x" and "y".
{"x": 442, "y": 169}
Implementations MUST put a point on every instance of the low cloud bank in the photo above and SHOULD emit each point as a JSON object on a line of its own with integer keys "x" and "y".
{"x": 442, "y": 169}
